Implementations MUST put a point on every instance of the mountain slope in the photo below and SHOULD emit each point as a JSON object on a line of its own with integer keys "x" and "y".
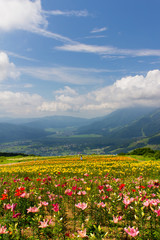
{"x": 58, "y": 122}
{"x": 145, "y": 127}
{"x": 141, "y": 133}
{"x": 11, "y": 132}
{"x": 122, "y": 130}
{"x": 114, "y": 121}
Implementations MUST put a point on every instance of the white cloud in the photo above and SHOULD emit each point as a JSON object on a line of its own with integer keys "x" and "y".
{"x": 126, "y": 92}
{"x": 78, "y": 76}
{"x": 66, "y": 99}
{"x": 67, "y": 90}
{"x": 21, "y": 14}
{"x": 26, "y": 15}
{"x": 79, "y": 47}
{"x": 7, "y": 69}
{"x": 19, "y": 104}
{"x": 81, "y": 13}
{"x": 131, "y": 90}
{"x": 108, "y": 50}
{"x": 49, "y": 34}
{"x": 20, "y": 56}
{"x": 54, "y": 107}
{"x": 98, "y": 30}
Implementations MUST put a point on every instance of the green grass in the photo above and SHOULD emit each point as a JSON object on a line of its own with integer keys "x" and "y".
{"x": 16, "y": 159}
{"x": 86, "y": 136}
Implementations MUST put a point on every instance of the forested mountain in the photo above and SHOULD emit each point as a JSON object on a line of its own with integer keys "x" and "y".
{"x": 11, "y": 132}
{"x": 146, "y": 126}
{"x": 115, "y": 121}
{"x": 122, "y": 130}
{"x": 58, "y": 122}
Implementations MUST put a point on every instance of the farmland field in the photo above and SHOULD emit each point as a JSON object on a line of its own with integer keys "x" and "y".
{"x": 98, "y": 197}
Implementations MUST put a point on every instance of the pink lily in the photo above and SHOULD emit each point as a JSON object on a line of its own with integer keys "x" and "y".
{"x": 82, "y": 233}
{"x": 32, "y": 209}
{"x": 158, "y": 212}
{"x": 81, "y": 205}
{"x": 133, "y": 232}
{"x": 16, "y": 215}
{"x": 116, "y": 219}
{"x": 44, "y": 224}
{"x": 3, "y": 229}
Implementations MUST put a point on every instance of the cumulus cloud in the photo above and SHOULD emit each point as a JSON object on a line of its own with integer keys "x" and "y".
{"x": 138, "y": 90}
{"x": 66, "y": 99}
{"x": 19, "y": 104}
{"x": 129, "y": 91}
{"x": 21, "y": 14}
{"x": 28, "y": 15}
{"x": 54, "y": 107}
{"x": 7, "y": 69}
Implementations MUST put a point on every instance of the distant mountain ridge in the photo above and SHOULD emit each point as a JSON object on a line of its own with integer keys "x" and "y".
{"x": 12, "y": 132}
{"x": 122, "y": 130}
{"x": 58, "y": 122}
{"x": 115, "y": 120}
{"x": 146, "y": 126}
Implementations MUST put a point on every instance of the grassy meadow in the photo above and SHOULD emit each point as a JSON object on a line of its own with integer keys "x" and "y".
{"x": 98, "y": 197}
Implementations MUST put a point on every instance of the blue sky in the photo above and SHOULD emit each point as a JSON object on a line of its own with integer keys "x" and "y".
{"x": 82, "y": 58}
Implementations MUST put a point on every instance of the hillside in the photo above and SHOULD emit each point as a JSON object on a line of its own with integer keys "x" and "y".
{"x": 147, "y": 126}
{"x": 12, "y": 132}
{"x": 58, "y": 122}
{"x": 114, "y": 121}
{"x": 120, "y": 131}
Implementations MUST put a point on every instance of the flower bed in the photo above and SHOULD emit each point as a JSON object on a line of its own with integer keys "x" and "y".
{"x": 99, "y": 197}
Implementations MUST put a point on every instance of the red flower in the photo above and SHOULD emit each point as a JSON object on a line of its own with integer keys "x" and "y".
{"x": 19, "y": 191}
{"x": 38, "y": 179}
{"x": 74, "y": 187}
{"x": 67, "y": 234}
{"x": 27, "y": 179}
{"x": 133, "y": 190}
{"x": 109, "y": 189}
{"x": 4, "y": 196}
{"x": 121, "y": 186}
{"x": 55, "y": 207}
{"x": 64, "y": 185}
{"x": 100, "y": 187}
{"x": 68, "y": 192}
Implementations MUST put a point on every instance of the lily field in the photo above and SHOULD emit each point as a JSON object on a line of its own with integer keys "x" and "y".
{"x": 96, "y": 197}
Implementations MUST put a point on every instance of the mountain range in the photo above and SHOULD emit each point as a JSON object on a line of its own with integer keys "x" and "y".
{"x": 122, "y": 130}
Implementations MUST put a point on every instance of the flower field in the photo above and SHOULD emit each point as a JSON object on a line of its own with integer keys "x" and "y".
{"x": 98, "y": 197}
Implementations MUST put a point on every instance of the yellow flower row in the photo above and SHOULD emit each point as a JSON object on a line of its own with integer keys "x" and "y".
{"x": 100, "y": 165}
